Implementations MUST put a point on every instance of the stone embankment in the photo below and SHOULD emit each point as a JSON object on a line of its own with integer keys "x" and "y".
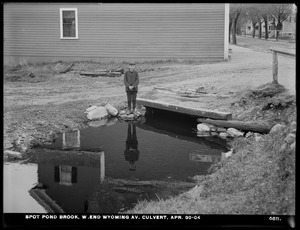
{"x": 109, "y": 115}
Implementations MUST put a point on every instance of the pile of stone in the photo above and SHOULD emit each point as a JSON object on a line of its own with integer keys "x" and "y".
{"x": 132, "y": 116}
{"x": 290, "y": 139}
{"x": 108, "y": 115}
{"x": 204, "y": 129}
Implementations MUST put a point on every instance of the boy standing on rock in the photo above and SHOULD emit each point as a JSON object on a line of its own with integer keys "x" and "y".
{"x": 131, "y": 81}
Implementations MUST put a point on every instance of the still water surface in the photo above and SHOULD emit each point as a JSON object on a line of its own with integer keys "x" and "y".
{"x": 59, "y": 178}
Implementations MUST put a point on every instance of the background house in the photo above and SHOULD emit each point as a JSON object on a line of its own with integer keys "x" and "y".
{"x": 49, "y": 32}
{"x": 288, "y": 26}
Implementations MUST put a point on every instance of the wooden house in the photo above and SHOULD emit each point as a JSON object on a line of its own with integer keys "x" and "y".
{"x": 50, "y": 32}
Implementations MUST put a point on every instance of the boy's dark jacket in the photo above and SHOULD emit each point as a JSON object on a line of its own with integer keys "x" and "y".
{"x": 131, "y": 79}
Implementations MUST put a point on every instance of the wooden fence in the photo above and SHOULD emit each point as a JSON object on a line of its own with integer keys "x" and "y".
{"x": 275, "y": 60}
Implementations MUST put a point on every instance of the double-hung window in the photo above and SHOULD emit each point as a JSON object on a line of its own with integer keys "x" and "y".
{"x": 68, "y": 23}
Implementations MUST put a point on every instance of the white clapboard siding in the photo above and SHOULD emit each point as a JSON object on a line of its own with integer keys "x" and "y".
{"x": 161, "y": 31}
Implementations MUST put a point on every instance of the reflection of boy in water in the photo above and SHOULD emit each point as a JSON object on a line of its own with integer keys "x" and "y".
{"x": 131, "y": 152}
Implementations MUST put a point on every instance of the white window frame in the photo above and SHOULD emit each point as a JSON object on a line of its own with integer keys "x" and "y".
{"x": 65, "y": 175}
{"x": 61, "y": 23}
{"x": 74, "y": 145}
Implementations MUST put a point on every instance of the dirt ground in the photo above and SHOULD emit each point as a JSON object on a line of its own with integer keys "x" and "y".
{"x": 264, "y": 45}
{"x": 39, "y": 101}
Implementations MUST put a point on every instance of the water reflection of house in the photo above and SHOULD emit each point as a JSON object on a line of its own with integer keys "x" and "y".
{"x": 65, "y": 174}
{"x": 71, "y": 140}
{"x": 67, "y": 179}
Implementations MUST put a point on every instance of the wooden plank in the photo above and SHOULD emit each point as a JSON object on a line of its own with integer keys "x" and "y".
{"x": 200, "y": 112}
{"x": 67, "y": 69}
{"x": 93, "y": 74}
{"x": 275, "y": 60}
{"x": 188, "y": 93}
{"x": 253, "y": 126}
{"x": 275, "y": 67}
{"x": 284, "y": 51}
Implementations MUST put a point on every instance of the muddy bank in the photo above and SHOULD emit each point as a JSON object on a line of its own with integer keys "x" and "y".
{"x": 39, "y": 124}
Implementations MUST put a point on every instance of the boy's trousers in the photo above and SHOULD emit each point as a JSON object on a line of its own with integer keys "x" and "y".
{"x": 131, "y": 98}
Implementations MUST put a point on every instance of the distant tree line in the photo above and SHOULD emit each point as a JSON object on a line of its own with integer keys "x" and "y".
{"x": 258, "y": 14}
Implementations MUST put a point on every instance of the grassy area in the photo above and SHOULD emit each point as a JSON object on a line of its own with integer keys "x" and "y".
{"x": 257, "y": 179}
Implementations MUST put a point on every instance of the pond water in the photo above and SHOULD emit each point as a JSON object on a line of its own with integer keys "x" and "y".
{"x": 60, "y": 178}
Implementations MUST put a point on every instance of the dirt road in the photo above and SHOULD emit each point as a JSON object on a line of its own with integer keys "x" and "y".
{"x": 35, "y": 108}
{"x": 264, "y": 45}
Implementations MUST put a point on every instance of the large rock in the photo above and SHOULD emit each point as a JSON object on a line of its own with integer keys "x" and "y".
{"x": 220, "y": 129}
{"x": 223, "y": 135}
{"x": 203, "y": 128}
{"x": 212, "y": 128}
{"x": 277, "y": 128}
{"x": 111, "y": 110}
{"x": 90, "y": 108}
{"x": 97, "y": 113}
{"x": 234, "y": 132}
{"x": 249, "y": 134}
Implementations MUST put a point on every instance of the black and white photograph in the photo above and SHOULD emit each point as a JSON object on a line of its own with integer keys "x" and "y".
{"x": 159, "y": 113}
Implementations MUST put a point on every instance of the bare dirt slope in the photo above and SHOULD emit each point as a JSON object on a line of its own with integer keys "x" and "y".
{"x": 44, "y": 102}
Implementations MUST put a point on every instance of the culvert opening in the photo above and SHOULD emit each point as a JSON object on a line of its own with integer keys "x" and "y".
{"x": 108, "y": 169}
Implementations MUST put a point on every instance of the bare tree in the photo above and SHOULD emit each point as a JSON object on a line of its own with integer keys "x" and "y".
{"x": 236, "y": 10}
{"x": 280, "y": 12}
{"x": 252, "y": 11}
{"x": 242, "y": 22}
{"x": 230, "y": 23}
{"x": 259, "y": 21}
{"x": 265, "y": 11}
